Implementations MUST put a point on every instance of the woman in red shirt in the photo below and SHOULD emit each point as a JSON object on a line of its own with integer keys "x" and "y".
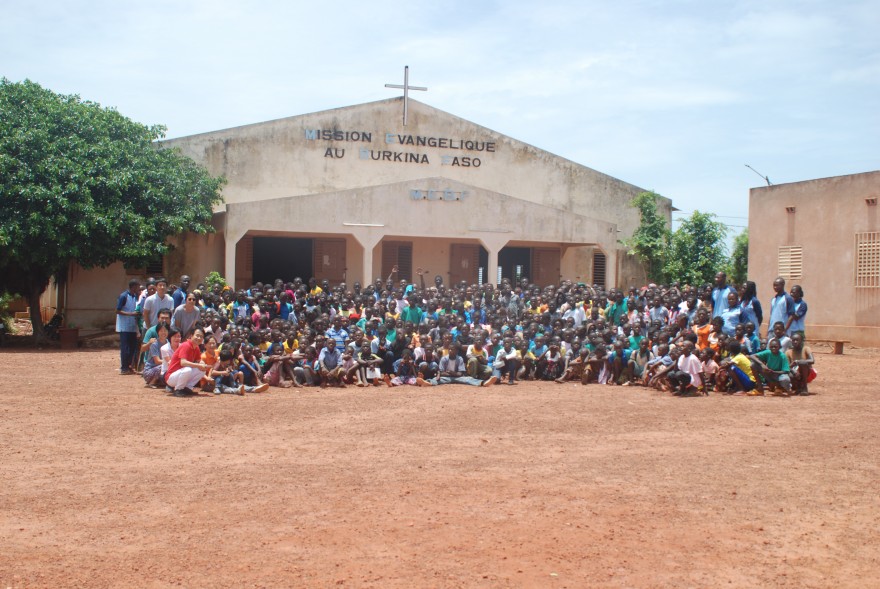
{"x": 186, "y": 368}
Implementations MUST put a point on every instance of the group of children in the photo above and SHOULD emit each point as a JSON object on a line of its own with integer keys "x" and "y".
{"x": 682, "y": 340}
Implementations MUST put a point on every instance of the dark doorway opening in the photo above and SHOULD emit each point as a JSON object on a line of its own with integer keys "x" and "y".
{"x": 282, "y": 257}
{"x": 515, "y": 263}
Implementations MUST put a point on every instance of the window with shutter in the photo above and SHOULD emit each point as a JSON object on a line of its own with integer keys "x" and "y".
{"x": 790, "y": 262}
{"x": 599, "y": 268}
{"x": 866, "y": 272}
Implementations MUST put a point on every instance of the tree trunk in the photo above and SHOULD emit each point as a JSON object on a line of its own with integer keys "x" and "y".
{"x": 36, "y": 315}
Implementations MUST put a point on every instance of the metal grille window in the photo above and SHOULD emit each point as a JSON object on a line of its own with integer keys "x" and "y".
{"x": 397, "y": 253}
{"x": 867, "y": 260}
{"x": 791, "y": 262}
{"x": 599, "y": 265}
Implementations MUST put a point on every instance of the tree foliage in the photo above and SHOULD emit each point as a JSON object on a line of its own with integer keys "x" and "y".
{"x": 215, "y": 278}
{"x": 738, "y": 266}
{"x": 696, "y": 250}
{"x": 83, "y": 183}
{"x": 651, "y": 238}
{"x": 691, "y": 254}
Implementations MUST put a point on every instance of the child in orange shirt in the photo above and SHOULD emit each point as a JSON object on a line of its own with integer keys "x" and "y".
{"x": 209, "y": 357}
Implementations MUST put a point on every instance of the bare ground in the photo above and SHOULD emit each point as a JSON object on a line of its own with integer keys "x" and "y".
{"x": 109, "y": 484}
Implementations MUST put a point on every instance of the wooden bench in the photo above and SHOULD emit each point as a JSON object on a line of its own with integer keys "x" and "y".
{"x": 836, "y": 344}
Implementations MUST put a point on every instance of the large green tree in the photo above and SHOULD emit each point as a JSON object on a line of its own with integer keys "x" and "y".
{"x": 696, "y": 250}
{"x": 738, "y": 267}
{"x": 650, "y": 240}
{"x": 82, "y": 183}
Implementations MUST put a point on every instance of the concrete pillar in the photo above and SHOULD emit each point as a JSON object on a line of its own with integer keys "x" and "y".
{"x": 366, "y": 277}
{"x": 493, "y": 245}
{"x": 612, "y": 267}
{"x": 229, "y": 269}
{"x": 232, "y": 239}
{"x": 369, "y": 238}
{"x": 492, "y": 278}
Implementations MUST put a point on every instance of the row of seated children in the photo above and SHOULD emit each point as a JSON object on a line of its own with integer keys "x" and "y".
{"x": 691, "y": 365}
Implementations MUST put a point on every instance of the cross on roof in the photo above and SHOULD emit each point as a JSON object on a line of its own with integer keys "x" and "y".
{"x": 406, "y": 88}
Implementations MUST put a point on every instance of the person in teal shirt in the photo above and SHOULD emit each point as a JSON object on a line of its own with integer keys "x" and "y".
{"x": 772, "y": 365}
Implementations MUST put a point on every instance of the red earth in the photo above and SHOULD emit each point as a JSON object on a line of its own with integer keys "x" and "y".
{"x": 109, "y": 484}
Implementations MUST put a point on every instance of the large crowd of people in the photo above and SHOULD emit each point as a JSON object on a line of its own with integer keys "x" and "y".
{"x": 686, "y": 340}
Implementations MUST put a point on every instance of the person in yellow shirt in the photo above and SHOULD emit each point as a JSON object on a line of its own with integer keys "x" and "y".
{"x": 740, "y": 368}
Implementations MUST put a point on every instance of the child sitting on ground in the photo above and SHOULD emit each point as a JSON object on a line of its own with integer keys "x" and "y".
{"x": 800, "y": 359}
{"x": 576, "y": 368}
{"x": 549, "y": 365}
{"x": 709, "y": 370}
{"x": 153, "y": 366}
{"x": 686, "y": 379}
{"x": 742, "y": 379}
{"x": 279, "y": 368}
{"x": 662, "y": 361}
{"x": 226, "y": 379}
{"x": 249, "y": 368}
{"x": 771, "y": 365}
{"x": 404, "y": 370}
{"x": 507, "y": 361}
{"x": 368, "y": 364}
{"x": 209, "y": 358}
{"x": 597, "y": 367}
{"x": 660, "y": 379}
{"x": 638, "y": 360}
{"x": 349, "y": 367}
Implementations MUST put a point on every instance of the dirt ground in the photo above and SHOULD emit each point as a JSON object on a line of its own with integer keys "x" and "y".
{"x": 108, "y": 484}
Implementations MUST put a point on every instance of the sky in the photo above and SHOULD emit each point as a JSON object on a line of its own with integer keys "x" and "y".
{"x": 672, "y": 96}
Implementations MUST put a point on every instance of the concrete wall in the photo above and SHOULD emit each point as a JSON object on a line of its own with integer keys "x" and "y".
{"x": 92, "y": 294}
{"x": 828, "y": 212}
{"x": 371, "y": 214}
{"x": 276, "y": 159}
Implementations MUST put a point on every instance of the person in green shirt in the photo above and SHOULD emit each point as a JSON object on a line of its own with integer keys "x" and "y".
{"x": 412, "y": 312}
{"x": 616, "y": 309}
{"x": 773, "y": 366}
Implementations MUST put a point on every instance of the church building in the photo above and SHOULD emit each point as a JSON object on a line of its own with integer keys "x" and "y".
{"x": 348, "y": 194}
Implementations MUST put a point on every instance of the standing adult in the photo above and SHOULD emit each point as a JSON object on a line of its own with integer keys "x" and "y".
{"x": 182, "y": 290}
{"x": 155, "y": 303}
{"x": 186, "y": 315}
{"x": 126, "y": 326}
{"x": 781, "y": 305}
{"x": 751, "y": 306}
{"x": 719, "y": 294}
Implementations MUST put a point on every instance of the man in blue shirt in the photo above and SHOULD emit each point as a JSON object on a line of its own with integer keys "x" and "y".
{"x": 719, "y": 294}
{"x": 781, "y": 305}
{"x": 126, "y": 326}
{"x": 179, "y": 295}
